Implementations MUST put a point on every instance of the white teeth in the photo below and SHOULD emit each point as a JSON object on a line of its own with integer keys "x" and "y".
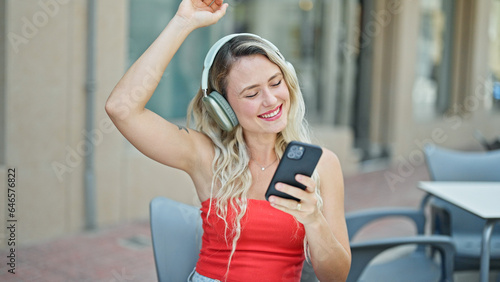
{"x": 272, "y": 114}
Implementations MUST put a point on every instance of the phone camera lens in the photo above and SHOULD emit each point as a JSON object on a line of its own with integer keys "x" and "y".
{"x": 295, "y": 152}
{"x": 299, "y": 154}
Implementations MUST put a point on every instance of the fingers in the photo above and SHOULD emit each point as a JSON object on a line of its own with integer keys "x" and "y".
{"x": 218, "y": 7}
{"x": 289, "y": 206}
{"x": 305, "y": 211}
{"x": 221, "y": 11}
{"x": 306, "y": 181}
{"x": 307, "y": 197}
{"x": 292, "y": 191}
{"x": 208, "y": 2}
{"x": 214, "y": 4}
{"x": 200, "y": 13}
{"x": 211, "y": 4}
{"x": 297, "y": 192}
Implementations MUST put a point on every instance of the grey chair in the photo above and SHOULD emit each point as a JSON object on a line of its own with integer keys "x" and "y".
{"x": 419, "y": 264}
{"x": 488, "y": 145}
{"x": 464, "y": 228}
{"x": 176, "y": 231}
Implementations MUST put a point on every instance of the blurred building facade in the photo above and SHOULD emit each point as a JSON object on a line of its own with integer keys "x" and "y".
{"x": 380, "y": 79}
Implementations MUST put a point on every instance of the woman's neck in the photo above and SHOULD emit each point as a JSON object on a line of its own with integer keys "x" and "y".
{"x": 261, "y": 148}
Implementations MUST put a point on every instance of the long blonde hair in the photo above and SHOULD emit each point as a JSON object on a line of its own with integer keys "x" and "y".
{"x": 231, "y": 162}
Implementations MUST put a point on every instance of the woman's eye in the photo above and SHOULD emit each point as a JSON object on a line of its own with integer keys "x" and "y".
{"x": 278, "y": 83}
{"x": 251, "y": 96}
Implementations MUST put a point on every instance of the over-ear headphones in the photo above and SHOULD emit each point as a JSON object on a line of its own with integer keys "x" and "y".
{"x": 216, "y": 105}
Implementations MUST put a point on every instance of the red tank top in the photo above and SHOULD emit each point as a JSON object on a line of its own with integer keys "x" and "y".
{"x": 270, "y": 247}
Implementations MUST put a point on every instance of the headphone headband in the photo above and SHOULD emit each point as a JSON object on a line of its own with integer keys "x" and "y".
{"x": 216, "y": 105}
{"x": 210, "y": 57}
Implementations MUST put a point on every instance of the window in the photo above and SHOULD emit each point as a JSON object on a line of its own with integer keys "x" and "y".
{"x": 305, "y": 31}
{"x": 181, "y": 79}
{"x": 431, "y": 91}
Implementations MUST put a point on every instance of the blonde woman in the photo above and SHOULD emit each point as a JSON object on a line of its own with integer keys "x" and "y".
{"x": 231, "y": 162}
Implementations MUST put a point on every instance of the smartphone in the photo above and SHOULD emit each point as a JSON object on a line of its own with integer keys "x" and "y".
{"x": 298, "y": 158}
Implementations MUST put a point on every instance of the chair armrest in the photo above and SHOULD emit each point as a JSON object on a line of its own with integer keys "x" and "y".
{"x": 364, "y": 252}
{"x": 357, "y": 220}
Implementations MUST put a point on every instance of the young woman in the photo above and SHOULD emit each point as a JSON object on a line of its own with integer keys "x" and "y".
{"x": 246, "y": 238}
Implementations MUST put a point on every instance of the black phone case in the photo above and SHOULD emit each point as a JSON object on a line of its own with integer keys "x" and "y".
{"x": 288, "y": 168}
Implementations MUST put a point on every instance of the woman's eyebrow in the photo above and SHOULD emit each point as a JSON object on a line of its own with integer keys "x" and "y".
{"x": 257, "y": 85}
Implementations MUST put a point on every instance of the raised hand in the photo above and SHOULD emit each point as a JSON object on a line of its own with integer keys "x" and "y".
{"x": 199, "y": 13}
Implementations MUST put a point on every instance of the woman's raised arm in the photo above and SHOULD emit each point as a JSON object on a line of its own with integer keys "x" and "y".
{"x": 148, "y": 132}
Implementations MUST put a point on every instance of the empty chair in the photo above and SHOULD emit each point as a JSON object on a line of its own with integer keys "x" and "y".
{"x": 488, "y": 145}
{"x": 420, "y": 264}
{"x": 464, "y": 228}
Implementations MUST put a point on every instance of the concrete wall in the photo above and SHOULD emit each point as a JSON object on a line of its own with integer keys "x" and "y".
{"x": 454, "y": 129}
{"x": 471, "y": 105}
{"x": 45, "y": 101}
{"x": 44, "y": 113}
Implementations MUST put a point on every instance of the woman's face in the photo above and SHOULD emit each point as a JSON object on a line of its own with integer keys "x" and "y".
{"x": 258, "y": 94}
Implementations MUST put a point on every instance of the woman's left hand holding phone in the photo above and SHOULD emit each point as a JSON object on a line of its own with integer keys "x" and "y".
{"x": 306, "y": 211}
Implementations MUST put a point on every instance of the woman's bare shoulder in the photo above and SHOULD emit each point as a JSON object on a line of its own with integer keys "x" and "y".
{"x": 330, "y": 173}
{"x": 328, "y": 162}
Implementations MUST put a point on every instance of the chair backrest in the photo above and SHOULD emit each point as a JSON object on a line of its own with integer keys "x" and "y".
{"x": 176, "y": 231}
{"x": 451, "y": 165}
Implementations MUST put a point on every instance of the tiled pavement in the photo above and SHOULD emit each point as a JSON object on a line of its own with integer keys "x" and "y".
{"x": 104, "y": 255}
{"x": 123, "y": 253}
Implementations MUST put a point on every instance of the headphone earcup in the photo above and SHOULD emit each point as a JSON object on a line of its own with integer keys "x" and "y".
{"x": 220, "y": 110}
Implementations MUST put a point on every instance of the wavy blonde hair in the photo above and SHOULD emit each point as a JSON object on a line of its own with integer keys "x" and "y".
{"x": 230, "y": 166}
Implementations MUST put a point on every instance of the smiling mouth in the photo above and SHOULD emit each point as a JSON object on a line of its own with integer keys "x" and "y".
{"x": 272, "y": 113}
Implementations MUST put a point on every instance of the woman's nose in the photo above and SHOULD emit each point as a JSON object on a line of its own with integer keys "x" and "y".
{"x": 269, "y": 98}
